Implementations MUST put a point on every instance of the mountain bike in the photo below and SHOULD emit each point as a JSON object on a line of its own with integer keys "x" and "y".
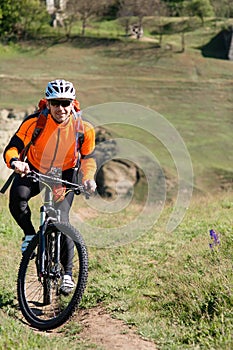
{"x": 40, "y": 273}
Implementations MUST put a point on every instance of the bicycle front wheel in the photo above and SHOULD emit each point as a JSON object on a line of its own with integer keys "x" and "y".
{"x": 40, "y": 298}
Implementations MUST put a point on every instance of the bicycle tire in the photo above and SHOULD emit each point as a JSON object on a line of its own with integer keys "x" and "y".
{"x": 30, "y": 287}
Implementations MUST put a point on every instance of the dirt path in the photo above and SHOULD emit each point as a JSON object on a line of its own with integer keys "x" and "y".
{"x": 111, "y": 334}
{"x": 100, "y": 329}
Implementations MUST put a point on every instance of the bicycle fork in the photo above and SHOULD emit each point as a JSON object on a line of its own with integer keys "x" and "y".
{"x": 54, "y": 242}
{"x": 43, "y": 226}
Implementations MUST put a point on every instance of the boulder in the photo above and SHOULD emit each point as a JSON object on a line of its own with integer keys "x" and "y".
{"x": 115, "y": 177}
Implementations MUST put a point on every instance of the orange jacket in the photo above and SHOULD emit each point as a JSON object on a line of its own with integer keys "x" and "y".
{"x": 55, "y": 146}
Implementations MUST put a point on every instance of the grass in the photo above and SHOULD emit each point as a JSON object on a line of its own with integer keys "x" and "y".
{"x": 14, "y": 335}
{"x": 172, "y": 287}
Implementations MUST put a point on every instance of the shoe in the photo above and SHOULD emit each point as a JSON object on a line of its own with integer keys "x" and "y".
{"x": 67, "y": 285}
{"x": 27, "y": 239}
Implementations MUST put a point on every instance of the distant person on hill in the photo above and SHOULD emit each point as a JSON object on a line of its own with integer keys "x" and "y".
{"x": 64, "y": 143}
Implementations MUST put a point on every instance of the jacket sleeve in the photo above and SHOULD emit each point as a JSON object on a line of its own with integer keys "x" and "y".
{"x": 88, "y": 163}
{"x": 19, "y": 140}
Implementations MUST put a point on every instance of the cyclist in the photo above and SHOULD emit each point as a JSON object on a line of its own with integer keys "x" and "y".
{"x": 65, "y": 143}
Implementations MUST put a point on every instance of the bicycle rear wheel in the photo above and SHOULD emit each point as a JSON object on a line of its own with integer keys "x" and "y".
{"x": 40, "y": 300}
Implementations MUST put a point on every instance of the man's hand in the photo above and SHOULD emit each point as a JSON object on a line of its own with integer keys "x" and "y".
{"x": 21, "y": 168}
{"x": 90, "y": 185}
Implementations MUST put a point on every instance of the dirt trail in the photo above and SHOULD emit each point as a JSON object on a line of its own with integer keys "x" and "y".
{"x": 111, "y": 334}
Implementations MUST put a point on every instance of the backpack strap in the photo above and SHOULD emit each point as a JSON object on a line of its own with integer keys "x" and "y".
{"x": 40, "y": 124}
{"x": 79, "y": 134}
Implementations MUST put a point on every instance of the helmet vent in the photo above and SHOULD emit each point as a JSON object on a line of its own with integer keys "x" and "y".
{"x": 60, "y": 89}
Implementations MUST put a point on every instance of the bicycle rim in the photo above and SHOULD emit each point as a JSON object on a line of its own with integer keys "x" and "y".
{"x": 40, "y": 299}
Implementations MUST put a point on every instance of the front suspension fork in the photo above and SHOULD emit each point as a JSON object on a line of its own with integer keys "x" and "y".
{"x": 42, "y": 242}
{"x": 43, "y": 226}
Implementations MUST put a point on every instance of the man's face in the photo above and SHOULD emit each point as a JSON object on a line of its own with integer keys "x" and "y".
{"x": 60, "y": 109}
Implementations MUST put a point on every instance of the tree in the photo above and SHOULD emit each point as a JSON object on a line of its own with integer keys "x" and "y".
{"x": 9, "y": 16}
{"x": 173, "y": 6}
{"x": 138, "y": 8}
{"x": 223, "y": 8}
{"x": 33, "y": 15}
{"x": 161, "y": 11}
{"x": 112, "y": 9}
{"x": 199, "y": 8}
{"x": 19, "y": 18}
{"x": 84, "y": 10}
{"x": 185, "y": 26}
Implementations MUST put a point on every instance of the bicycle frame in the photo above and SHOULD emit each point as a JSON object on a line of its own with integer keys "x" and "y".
{"x": 47, "y": 214}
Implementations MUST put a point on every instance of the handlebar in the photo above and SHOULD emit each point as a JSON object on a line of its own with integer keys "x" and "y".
{"x": 76, "y": 188}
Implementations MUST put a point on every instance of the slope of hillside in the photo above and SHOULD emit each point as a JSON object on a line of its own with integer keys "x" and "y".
{"x": 193, "y": 93}
{"x": 171, "y": 288}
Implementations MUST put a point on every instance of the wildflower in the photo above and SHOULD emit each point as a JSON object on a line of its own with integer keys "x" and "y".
{"x": 215, "y": 239}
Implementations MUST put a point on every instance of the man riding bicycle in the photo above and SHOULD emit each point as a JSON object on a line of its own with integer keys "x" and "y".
{"x": 62, "y": 141}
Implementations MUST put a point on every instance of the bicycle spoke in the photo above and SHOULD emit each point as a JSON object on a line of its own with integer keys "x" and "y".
{"x": 41, "y": 301}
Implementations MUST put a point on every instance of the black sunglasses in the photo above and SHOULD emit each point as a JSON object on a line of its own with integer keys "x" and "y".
{"x": 63, "y": 103}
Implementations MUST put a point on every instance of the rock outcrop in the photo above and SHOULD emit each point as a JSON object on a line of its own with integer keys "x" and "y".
{"x": 115, "y": 176}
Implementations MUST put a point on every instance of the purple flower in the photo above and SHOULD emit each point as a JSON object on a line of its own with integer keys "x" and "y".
{"x": 215, "y": 239}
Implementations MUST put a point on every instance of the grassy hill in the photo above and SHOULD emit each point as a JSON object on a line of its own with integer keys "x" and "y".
{"x": 192, "y": 92}
{"x": 171, "y": 287}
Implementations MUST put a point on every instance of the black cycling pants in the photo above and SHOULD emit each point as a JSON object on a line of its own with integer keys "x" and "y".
{"x": 22, "y": 190}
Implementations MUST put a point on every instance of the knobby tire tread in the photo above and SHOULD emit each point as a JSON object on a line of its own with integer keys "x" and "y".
{"x": 32, "y": 319}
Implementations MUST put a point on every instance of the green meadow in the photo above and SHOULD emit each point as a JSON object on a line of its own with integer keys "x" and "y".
{"x": 170, "y": 286}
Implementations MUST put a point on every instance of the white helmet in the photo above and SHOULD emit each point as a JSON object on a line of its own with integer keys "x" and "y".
{"x": 60, "y": 89}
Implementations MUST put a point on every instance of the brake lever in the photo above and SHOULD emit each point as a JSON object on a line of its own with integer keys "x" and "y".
{"x": 82, "y": 190}
{"x": 33, "y": 176}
